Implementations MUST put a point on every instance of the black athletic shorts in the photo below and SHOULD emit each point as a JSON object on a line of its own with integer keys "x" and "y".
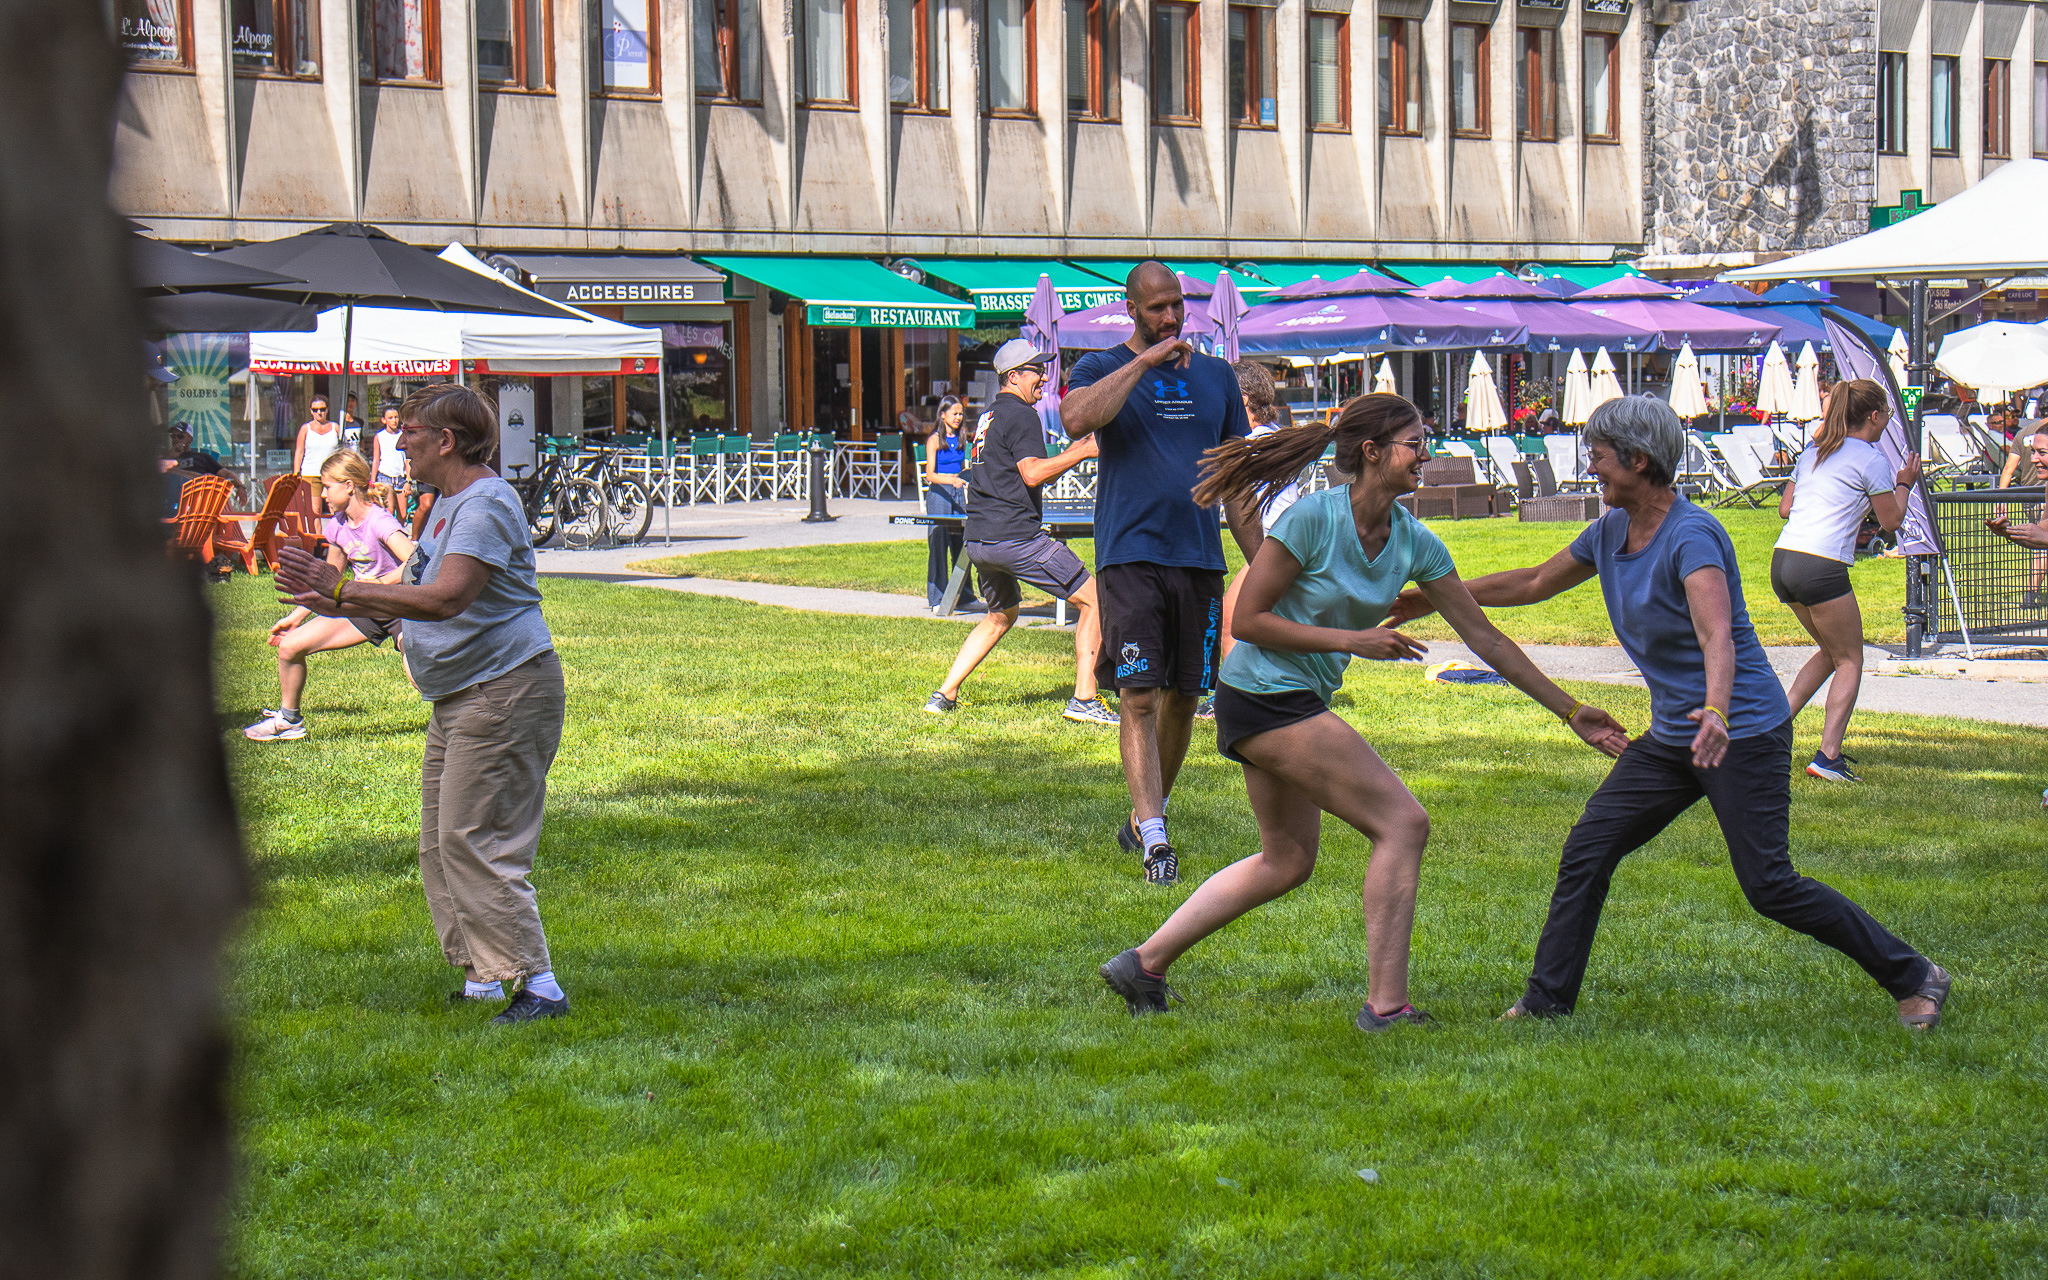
{"x": 377, "y": 630}
{"x": 1160, "y": 627}
{"x": 1804, "y": 579}
{"x": 1239, "y": 715}
{"x": 1043, "y": 561}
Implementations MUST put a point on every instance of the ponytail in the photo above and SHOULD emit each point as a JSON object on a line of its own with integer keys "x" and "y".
{"x": 1256, "y": 469}
{"x": 1849, "y": 404}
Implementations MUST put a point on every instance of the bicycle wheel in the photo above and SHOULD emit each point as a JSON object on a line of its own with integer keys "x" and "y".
{"x": 581, "y": 514}
{"x": 632, "y": 508}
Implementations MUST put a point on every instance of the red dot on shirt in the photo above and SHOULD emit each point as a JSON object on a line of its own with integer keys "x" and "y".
{"x": 438, "y": 526}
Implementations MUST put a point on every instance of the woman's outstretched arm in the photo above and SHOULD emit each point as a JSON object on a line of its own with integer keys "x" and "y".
{"x": 1507, "y": 588}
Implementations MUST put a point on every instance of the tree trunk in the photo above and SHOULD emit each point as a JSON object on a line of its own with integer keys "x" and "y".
{"x": 120, "y": 866}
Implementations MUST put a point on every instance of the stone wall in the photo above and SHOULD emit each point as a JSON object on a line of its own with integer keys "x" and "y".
{"x": 1760, "y": 125}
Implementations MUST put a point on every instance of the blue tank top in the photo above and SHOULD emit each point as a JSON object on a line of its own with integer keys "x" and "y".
{"x": 950, "y": 457}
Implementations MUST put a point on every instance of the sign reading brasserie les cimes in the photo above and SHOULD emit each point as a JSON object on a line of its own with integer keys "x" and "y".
{"x": 864, "y": 316}
{"x": 1014, "y": 301}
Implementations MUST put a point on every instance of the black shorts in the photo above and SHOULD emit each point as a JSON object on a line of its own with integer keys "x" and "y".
{"x": 1042, "y": 561}
{"x": 1803, "y": 579}
{"x": 1239, "y": 715}
{"x": 377, "y": 630}
{"x": 1160, "y": 627}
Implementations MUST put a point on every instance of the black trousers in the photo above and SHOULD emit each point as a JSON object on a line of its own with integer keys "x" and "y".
{"x": 943, "y": 544}
{"x": 1751, "y": 793}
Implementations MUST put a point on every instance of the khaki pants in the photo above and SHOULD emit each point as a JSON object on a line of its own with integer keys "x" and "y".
{"x": 482, "y": 788}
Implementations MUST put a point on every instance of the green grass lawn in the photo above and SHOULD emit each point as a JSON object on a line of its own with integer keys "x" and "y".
{"x": 832, "y": 964}
{"x": 1479, "y": 546}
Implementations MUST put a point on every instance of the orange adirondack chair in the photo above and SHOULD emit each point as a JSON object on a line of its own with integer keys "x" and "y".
{"x": 200, "y": 503}
{"x": 300, "y": 527}
{"x": 265, "y": 539}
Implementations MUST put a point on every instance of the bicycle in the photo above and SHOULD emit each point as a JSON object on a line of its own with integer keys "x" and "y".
{"x": 629, "y": 505}
{"x": 558, "y": 501}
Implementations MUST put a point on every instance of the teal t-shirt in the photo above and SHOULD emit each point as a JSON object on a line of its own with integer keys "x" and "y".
{"x": 1337, "y": 587}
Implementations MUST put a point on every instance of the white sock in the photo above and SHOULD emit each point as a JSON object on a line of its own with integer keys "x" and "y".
{"x": 482, "y": 990}
{"x": 545, "y": 986}
{"x": 1152, "y": 831}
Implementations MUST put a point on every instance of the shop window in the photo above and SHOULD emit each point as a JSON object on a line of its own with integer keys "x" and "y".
{"x": 1011, "y": 32}
{"x": 1176, "y": 59}
{"x": 275, "y": 37}
{"x": 1997, "y": 107}
{"x": 2041, "y": 108}
{"x": 1536, "y": 84}
{"x": 700, "y": 377}
{"x": 825, "y": 52}
{"x": 1400, "y": 75}
{"x": 1091, "y": 59}
{"x": 1602, "y": 101}
{"x": 1470, "y": 108}
{"x": 399, "y": 40}
{"x": 917, "y": 54}
{"x": 513, "y": 41}
{"x": 1944, "y": 93}
{"x": 1254, "y": 68}
{"x": 628, "y": 41}
{"x": 155, "y": 33}
{"x": 1329, "y": 71}
{"x": 1891, "y": 104}
{"x": 728, "y": 52}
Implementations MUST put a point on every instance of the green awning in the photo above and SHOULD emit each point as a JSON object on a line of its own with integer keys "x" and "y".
{"x": 1206, "y": 272}
{"x": 1587, "y": 276}
{"x": 1002, "y": 287}
{"x": 1282, "y": 274}
{"x": 1421, "y": 273}
{"x": 852, "y": 292}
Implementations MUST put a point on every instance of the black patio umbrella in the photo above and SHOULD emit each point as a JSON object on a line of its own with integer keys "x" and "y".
{"x": 160, "y": 269}
{"x": 208, "y": 311}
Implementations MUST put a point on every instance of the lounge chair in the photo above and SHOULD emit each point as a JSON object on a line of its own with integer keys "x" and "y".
{"x": 265, "y": 538}
{"x": 1748, "y": 469}
{"x": 197, "y": 523}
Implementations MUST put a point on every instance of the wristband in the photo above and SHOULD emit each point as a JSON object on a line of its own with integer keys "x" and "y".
{"x": 1718, "y": 713}
{"x": 1577, "y": 707}
{"x": 337, "y": 593}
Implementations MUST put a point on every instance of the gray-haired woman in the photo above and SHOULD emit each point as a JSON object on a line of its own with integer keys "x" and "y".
{"x": 1720, "y": 727}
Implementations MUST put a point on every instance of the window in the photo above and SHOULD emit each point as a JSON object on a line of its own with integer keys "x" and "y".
{"x": 1176, "y": 31}
{"x": 728, "y": 52}
{"x": 1602, "y": 101}
{"x": 1400, "y": 75}
{"x": 155, "y": 33}
{"x": 1091, "y": 61}
{"x": 2041, "y": 108}
{"x": 1254, "y": 67}
{"x": 1329, "y": 71}
{"x": 398, "y": 40}
{"x": 1536, "y": 84}
{"x": 917, "y": 54}
{"x": 513, "y": 42}
{"x": 277, "y": 37}
{"x": 1891, "y": 104}
{"x": 1469, "y": 80}
{"x": 1012, "y": 57}
{"x": 1997, "y": 107}
{"x": 627, "y": 46}
{"x": 824, "y": 50}
{"x": 1942, "y": 97}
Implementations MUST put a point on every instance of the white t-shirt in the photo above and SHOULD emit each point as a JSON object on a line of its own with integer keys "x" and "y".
{"x": 1282, "y": 499}
{"x": 1829, "y": 498}
{"x": 390, "y": 462}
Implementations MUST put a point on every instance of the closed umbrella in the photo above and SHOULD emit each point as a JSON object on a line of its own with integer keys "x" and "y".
{"x": 1895, "y": 355}
{"x": 1602, "y": 386}
{"x": 1688, "y": 398}
{"x": 1383, "y": 381}
{"x": 1483, "y": 414}
{"x": 1042, "y": 329}
{"x": 1806, "y": 387}
{"x": 1774, "y": 388}
{"x": 1577, "y": 390}
{"x": 1226, "y": 310}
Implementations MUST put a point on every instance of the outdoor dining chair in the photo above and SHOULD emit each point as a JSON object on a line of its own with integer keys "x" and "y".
{"x": 860, "y": 468}
{"x": 705, "y": 470}
{"x": 889, "y": 455}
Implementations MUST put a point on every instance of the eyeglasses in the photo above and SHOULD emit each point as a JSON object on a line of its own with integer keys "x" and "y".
{"x": 1419, "y": 445}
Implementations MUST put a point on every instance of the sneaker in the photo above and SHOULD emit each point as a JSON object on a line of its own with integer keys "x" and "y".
{"x": 1206, "y": 709}
{"x": 1089, "y": 711}
{"x": 273, "y": 727}
{"x": 1127, "y": 834}
{"x": 1835, "y": 770}
{"x": 2030, "y": 600}
{"x": 1162, "y": 865}
{"x": 1367, "y": 1020}
{"x": 939, "y": 704}
{"x": 527, "y": 1006}
{"x": 1142, "y": 992}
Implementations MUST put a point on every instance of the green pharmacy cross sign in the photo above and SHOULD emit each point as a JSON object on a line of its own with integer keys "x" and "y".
{"x": 862, "y": 315}
{"x": 1884, "y": 215}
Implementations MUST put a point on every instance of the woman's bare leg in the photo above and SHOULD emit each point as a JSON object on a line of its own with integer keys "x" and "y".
{"x": 1838, "y": 626}
{"x": 1817, "y": 669}
{"x": 315, "y": 635}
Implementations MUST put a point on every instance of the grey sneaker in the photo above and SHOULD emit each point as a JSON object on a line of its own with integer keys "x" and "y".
{"x": 1369, "y": 1021}
{"x": 1162, "y": 865}
{"x": 1089, "y": 711}
{"x": 273, "y": 727}
{"x": 1142, "y": 992}
{"x": 939, "y": 704}
{"x": 1206, "y": 708}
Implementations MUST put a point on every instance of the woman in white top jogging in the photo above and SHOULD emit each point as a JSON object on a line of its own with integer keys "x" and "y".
{"x": 1841, "y": 476}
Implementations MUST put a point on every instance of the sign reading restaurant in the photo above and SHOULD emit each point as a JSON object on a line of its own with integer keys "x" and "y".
{"x": 864, "y": 316}
{"x": 612, "y": 292}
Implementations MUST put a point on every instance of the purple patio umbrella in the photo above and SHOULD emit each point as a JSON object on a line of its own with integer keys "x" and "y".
{"x": 1553, "y": 325}
{"x": 1095, "y": 328}
{"x": 1361, "y": 282}
{"x": 1042, "y": 329}
{"x": 1226, "y": 315}
{"x": 1372, "y": 321}
{"x": 1642, "y": 303}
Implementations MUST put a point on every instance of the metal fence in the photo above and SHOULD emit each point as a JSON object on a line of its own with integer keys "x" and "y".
{"x": 1991, "y": 594}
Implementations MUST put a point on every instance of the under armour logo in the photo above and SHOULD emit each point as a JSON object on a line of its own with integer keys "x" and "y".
{"x": 1176, "y": 388}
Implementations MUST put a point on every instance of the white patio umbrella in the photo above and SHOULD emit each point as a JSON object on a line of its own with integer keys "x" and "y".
{"x": 1577, "y": 390}
{"x": 1774, "y": 388}
{"x": 1688, "y": 397}
{"x": 1602, "y": 385}
{"x": 1483, "y": 414}
{"x": 1383, "y": 381}
{"x": 1998, "y": 357}
{"x": 1895, "y": 355}
{"x": 1806, "y": 387}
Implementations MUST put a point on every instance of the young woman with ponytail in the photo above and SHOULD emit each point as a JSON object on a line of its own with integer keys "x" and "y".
{"x": 1840, "y": 476}
{"x": 1325, "y": 577}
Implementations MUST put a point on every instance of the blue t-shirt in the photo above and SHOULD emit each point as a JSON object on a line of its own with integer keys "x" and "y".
{"x": 1645, "y": 594}
{"x": 1337, "y": 587}
{"x": 1144, "y": 509}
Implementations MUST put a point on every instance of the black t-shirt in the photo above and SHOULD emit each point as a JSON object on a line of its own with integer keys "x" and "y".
{"x": 1000, "y": 506}
{"x": 200, "y": 462}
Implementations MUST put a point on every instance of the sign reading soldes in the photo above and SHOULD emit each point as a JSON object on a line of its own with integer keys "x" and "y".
{"x": 862, "y": 316}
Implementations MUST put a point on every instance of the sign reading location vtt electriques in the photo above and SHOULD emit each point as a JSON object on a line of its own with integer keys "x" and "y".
{"x": 998, "y": 302}
{"x": 849, "y": 315}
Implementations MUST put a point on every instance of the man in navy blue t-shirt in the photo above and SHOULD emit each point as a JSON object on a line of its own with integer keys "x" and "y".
{"x": 1156, "y": 406}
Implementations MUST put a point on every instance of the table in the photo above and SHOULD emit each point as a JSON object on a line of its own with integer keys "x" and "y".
{"x": 1062, "y": 521}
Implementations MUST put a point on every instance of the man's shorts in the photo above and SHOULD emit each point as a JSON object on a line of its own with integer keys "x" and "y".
{"x": 378, "y": 630}
{"x": 1042, "y": 561}
{"x": 1160, "y": 627}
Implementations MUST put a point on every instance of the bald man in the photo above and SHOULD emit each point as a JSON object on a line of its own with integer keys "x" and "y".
{"x": 1155, "y": 405}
